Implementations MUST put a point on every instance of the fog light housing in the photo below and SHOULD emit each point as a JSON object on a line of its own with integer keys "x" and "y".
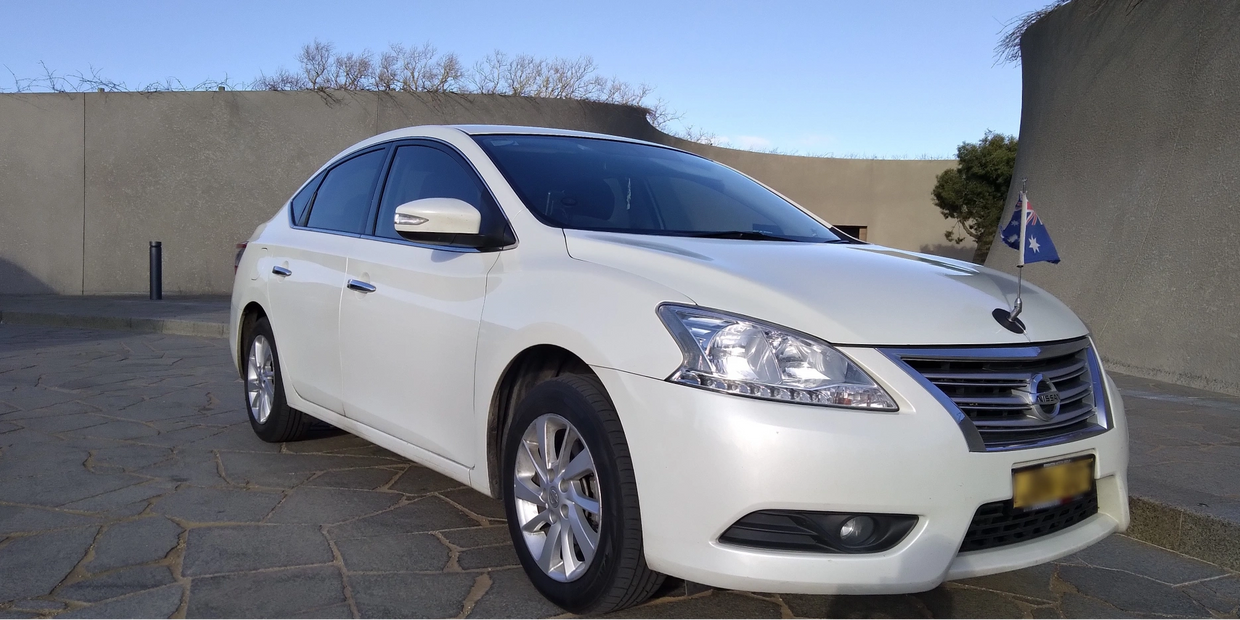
{"x": 857, "y": 531}
{"x": 819, "y": 532}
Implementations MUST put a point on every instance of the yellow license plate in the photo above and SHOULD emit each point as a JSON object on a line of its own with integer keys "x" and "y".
{"x": 1051, "y": 484}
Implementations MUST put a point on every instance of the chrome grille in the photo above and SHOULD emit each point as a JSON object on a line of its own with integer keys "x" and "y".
{"x": 996, "y": 388}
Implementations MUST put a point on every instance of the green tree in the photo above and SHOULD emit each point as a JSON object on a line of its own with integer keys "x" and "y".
{"x": 974, "y": 192}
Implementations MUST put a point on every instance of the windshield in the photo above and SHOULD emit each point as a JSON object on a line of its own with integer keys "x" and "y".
{"x": 597, "y": 184}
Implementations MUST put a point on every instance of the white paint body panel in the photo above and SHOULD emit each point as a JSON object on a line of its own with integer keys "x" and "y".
{"x": 308, "y": 302}
{"x": 704, "y": 460}
{"x": 418, "y": 361}
{"x": 844, "y": 294}
{"x": 438, "y": 215}
{"x": 407, "y": 349}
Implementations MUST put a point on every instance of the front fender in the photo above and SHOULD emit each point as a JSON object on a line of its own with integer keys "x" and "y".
{"x": 602, "y": 315}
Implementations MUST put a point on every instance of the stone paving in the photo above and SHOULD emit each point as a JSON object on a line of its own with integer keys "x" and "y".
{"x": 132, "y": 486}
{"x": 1207, "y": 434}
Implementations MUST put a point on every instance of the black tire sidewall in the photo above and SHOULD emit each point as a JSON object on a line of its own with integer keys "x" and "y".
{"x": 274, "y": 427}
{"x": 565, "y": 400}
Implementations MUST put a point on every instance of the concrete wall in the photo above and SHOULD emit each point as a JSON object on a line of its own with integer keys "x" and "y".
{"x": 890, "y": 197}
{"x": 86, "y": 180}
{"x": 1130, "y": 139}
{"x": 41, "y": 197}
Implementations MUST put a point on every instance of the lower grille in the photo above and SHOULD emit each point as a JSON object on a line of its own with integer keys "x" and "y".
{"x": 997, "y": 524}
{"x": 803, "y": 530}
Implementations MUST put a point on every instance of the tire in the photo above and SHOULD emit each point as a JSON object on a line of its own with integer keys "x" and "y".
{"x": 575, "y": 410}
{"x": 270, "y": 416}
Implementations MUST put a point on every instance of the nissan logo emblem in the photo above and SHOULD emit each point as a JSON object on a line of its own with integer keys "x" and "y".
{"x": 1043, "y": 398}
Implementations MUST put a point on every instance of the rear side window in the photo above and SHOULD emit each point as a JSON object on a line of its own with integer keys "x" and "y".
{"x": 302, "y": 200}
{"x": 343, "y": 200}
{"x": 426, "y": 172}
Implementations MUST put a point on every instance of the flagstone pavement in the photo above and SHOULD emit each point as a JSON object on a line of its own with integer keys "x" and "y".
{"x": 132, "y": 486}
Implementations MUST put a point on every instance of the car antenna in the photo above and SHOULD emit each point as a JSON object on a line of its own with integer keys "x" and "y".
{"x": 1023, "y": 204}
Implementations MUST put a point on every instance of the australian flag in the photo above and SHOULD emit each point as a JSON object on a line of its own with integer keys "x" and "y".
{"x": 1031, "y": 239}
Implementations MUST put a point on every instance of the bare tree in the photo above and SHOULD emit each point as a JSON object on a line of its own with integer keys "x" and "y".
{"x": 316, "y": 61}
{"x": 699, "y": 135}
{"x": 568, "y": 79}
{"x": 423, "y": 69}
{"x": 351, "y": 72}
{"x": 523, "y": 74}
{"x": 487, "y": 77}
{"x": 281, "y": 80}
{"x": 445, "y": 74}
{"x": 417, "y": 69}
{"x": 20, "y": 85}
{"x": 1007, "y": 50}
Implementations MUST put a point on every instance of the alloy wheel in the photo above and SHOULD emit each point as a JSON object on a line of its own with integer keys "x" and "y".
{"x": 558, "y": 503}
{"x": 260, "y": 386}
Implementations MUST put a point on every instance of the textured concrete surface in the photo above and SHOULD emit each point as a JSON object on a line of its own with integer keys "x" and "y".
{"x": 87, "y": 180}
{"x": 1185, "y": 454}
{"x": 41, "y": 202}
{"x": 1129, "y": 123}
{"x": 132, "y": 486}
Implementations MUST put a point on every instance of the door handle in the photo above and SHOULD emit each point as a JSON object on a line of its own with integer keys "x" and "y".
{"x": 281, "y": 271}
{"x": 361, "y": 287}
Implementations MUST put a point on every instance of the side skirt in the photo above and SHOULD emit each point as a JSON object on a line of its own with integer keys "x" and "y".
{"x": 432, "y": 461}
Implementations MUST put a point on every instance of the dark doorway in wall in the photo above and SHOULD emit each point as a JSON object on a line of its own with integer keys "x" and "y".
{"x": 856, "y": 232}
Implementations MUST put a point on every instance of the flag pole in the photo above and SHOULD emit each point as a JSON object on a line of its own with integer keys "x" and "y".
{"x": 1023, "y": 204}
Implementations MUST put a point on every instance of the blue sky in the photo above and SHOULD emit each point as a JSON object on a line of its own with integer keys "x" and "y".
{"x": 898, "y": 78}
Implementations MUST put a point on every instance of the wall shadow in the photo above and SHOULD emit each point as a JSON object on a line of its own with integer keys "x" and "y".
{"x": 15, "y": 280}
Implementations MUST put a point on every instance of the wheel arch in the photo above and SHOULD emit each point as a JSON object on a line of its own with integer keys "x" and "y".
{"x": 249, "y": 315}
{"x": 531, "y": 366}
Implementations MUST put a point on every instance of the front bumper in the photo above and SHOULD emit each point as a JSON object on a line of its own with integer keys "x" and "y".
{"x": 703, "y": 460}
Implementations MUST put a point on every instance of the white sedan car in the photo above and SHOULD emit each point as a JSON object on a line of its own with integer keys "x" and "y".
{"x": 664, "y": 367}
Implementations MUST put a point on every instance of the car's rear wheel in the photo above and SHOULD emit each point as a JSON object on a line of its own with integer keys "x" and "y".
{"x": 571, "y": 498}
{"x": 270, "y": 416}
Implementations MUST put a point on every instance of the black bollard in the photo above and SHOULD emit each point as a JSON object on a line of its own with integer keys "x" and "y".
{"x": 157, "y": 270}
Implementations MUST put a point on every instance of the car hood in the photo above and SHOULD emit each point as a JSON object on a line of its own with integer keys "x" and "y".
{"x": 857, "y": 294}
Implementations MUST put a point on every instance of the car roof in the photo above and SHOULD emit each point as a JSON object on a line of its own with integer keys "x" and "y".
{"x": 482, "y": 130}
{"x": 442, "y": 131}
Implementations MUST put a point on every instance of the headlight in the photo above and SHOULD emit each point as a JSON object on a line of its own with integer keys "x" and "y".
{"x": 747, "y": 357}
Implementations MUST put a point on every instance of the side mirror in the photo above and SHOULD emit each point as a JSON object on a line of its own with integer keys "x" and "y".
{"x": 418, "y": 219}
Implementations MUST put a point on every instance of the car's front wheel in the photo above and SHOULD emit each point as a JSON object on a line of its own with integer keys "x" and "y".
{"x": 270, "y": 416}
{"x": 571, "y": 498}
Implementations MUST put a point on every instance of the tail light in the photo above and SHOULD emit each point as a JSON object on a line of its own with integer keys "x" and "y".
{"x": 237, "y": 260}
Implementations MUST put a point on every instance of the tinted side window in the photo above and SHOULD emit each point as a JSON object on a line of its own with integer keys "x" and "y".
{"x": 426, "y": 172}
{"x": 302, "y": 200}
{"x": 343, "y": 200}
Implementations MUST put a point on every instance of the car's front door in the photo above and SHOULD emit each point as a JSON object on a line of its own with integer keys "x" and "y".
{"x": 308, "y": 276}
{"x": 409, "y": 325}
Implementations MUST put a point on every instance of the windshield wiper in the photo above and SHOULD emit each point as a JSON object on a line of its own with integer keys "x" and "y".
{"x": 753, "y": 235}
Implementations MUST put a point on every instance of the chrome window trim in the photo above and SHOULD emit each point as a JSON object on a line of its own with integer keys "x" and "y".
{"x": 429, "y": 142}
{"x": 972, "y": 437}
{"x": 292, "y": 222}
{"x": 429, "y": 246}
{"x": 325, "y": 231}
{"x": 371, "y": 236}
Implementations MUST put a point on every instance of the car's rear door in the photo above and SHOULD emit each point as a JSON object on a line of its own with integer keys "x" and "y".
{"x": 308, "y": 276}
{"x": 408, "y": 345}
